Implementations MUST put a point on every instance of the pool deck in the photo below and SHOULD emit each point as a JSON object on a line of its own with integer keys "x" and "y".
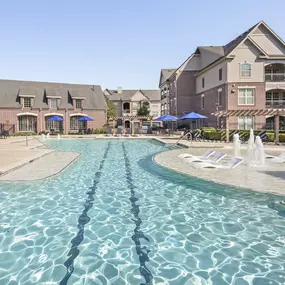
{"x": 269, "y": 178}
{"x": 21, "y": 162}
{"x": 41, "y": 168}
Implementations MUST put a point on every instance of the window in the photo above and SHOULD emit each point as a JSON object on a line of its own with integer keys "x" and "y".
{"x": 246, "y": 96}
{"x": 27, "y": 123}
{"x": 202, "y": 102}
{"x": 78, "y": 103}
{"x": 245, "y": 70}
{"x": 27, "y": 102}
{"x": 220, "y": 103}
{"x": 76, "y": 125}
{"x": 220, "y": 74}
{"x": 155, "y": 113}
{"x": 245, "y": 123}
{"x": 53, "y": 125}
{"x": 53, "y": 103}
{"x": 203, "y": 82}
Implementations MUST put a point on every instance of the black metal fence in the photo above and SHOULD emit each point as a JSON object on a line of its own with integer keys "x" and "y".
{"x": 10, "y": 128}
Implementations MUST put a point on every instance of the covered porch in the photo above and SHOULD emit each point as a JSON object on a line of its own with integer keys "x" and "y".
{"x": 275, "y": 114}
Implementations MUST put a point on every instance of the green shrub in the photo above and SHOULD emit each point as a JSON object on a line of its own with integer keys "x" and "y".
{"x": 282, "y": 137}
{"x": 99, "y": 131}
{"x": 23, "y": 134}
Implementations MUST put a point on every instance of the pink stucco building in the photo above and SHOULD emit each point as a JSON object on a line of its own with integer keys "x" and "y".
{"x": 28, "y": 105}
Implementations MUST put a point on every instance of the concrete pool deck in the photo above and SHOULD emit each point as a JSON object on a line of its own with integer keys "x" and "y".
{"x": 41, "y": 168}
{"x": 269, "y": 178}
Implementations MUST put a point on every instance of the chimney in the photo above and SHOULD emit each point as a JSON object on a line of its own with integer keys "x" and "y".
{"x": 120, "y": 90}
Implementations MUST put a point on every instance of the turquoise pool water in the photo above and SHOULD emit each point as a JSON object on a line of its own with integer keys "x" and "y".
{"x": 114, "y": 217}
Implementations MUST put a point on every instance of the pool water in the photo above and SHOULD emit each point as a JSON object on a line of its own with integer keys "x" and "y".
{"x": 115, "y": 217}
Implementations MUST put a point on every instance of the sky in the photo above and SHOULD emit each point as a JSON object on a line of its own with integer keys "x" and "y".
{"x": 118, "y": 42}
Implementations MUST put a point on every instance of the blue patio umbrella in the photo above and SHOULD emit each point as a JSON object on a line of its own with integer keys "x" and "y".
{"x": 85, "y": 118}
{"x": 193, "y": 116}
{"x": 56, "y": 118}
{"x": 166, "y": 118}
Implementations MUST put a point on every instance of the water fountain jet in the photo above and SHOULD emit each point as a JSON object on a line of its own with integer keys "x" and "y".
{"x": 237, "y": 144}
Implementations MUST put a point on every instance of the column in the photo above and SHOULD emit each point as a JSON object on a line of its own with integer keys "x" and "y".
{"x": 276, "y": 128}
{"x": 227, "y": 129}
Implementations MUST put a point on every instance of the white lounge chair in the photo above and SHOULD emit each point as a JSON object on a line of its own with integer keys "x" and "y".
{"x": 215, "y": 158}
{"x": 207, "y": 154}
{"x": 230, "y": 165}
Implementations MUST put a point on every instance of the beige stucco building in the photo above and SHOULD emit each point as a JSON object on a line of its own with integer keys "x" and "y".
{"x": 26, "y": 106}
{"x": 129, "y": 101}
{"x": 246, "y": 74}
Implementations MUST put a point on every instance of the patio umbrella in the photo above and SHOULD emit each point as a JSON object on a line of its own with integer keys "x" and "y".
{"x": 167, "y": 118}
{"x": 85, "y": 118}
{"x": 55, "y": 118}
{"x": 193, "y": 116}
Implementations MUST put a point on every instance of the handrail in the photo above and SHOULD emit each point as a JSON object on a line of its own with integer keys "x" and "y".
{"x": 189, "y": 133}
{"x": 47, "y": 146}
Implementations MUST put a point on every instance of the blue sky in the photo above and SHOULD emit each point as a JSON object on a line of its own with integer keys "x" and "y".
{"x": 118, "y": 42}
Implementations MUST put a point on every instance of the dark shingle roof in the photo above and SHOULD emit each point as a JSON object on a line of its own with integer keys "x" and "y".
{"x": 11, "y": 89}
{"x": 229, "y": 47}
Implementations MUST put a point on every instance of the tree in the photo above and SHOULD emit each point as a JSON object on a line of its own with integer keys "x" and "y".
{"x": 143, "y": 110}
{"x": 112, "y": 108}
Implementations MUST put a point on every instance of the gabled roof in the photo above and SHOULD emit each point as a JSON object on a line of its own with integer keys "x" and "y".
{"x": 113, "y": 95}
{"x": 219, "y": 50}
{"x": 10, "y": 90}
{"x": 165, "y": 74}
{"x": 229, "y": 47}
{"x": 232, "y": 45}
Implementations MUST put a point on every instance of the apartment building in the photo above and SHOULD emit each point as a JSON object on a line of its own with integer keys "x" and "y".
{"x": 29, "y": 105}
{"x": 244, "y": 79}
{"x": 165, "y": 74}
{"x": 129, "y": 101}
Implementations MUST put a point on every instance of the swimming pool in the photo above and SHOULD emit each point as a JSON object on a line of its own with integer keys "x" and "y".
{"x": 114, "y": 217}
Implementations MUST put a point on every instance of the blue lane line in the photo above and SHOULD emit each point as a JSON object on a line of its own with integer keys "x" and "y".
{"x": 82, "y": 221}
{"x": 142, "y": 251}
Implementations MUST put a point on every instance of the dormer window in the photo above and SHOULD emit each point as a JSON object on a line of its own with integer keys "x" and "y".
{"x": 53, "y": 103}
{"x": 78, "y": 104}
{"x": 27, "y": 102}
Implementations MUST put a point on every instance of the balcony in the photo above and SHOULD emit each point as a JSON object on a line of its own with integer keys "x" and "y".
{"x": 126, "y": 112}
{"x": 275, "y": 77}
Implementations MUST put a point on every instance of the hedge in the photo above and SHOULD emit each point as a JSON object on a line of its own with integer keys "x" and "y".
{"x": 213, "y": 134}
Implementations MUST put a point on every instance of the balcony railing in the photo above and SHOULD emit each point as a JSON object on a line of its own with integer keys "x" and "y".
{"x": 275, "y": 104}
{"x": 275, "y": 77}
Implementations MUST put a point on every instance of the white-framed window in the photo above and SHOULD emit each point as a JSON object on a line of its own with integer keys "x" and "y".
{"x": 27, "y": 102}
{"x": 27, "y": 123}
{"x": 245, "y": 70}
{"x": 246, "y": 96}
{"x": 202, "y": 101}
{"x": 53, "y": 125}
{"x": 155, "y": 113}
{"x": 78, "y": 103}
{"x": 76, "y": 125}
{"x": 245, "y": 123}
{"x": 53, "y": 103}
{"x": 220, "y": 100}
